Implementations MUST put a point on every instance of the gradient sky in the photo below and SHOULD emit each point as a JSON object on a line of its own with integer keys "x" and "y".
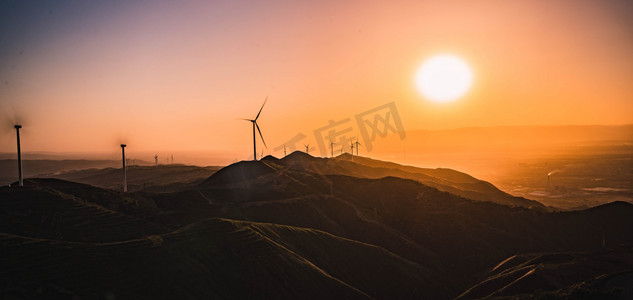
{"x": 83, "y": 76}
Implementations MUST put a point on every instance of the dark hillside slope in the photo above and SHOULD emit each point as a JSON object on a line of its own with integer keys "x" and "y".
{"x": 447, "y": 180}
{"x": 213, "y": 258}
{"x": 607, "y": 274}
{"x": 440, "y": 230}
{"x": 239, "y": 172}
{"x": 61, "y": 210}
{"x": 443, "y": 179}
{"x": 161, "y": 178}
{"x": 351, "y": 236}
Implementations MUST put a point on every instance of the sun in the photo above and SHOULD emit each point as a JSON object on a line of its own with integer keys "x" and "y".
{"x": 444, "y": 78}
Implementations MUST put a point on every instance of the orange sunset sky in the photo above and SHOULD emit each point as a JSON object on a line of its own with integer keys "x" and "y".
{"x": 83, "y": 76}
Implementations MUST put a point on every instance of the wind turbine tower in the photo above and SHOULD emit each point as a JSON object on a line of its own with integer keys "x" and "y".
{"x": 356, "y": 144}
{"x": 548, "y": 186}
{"x": 254, "y": 122}
{"x": 307, "y": 148}
{"x": 17, "y": 133}
{"x": 284, "y": 150}
{"x": 332, "y": 148}
{"x": 156, "y": 160}
{"x": 124, "y": 168}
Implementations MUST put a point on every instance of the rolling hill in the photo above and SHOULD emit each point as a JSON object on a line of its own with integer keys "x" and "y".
{"x": 131, "y": 257}
{"x": 299, "y": 227}
{"x": 606, "y": 274}
{"x": 161, "y": 178}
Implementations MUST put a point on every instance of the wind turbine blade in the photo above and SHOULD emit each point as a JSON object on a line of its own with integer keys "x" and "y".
{"x": 244, "y": 119}
{"x": 260, "y": 135}
{"x": 260, "y": 110}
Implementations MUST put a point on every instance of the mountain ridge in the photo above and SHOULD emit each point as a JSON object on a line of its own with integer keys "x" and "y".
{"x": 289, "y": 222}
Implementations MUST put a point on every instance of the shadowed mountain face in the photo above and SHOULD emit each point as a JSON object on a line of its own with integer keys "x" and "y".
{"x": 48, "y": 167}
{"x": 209, "y": 258}
{"x": 108, "y": 173}
{"x": 407, "y": 217}
{"x": 598, "y": 275}
{"x": 443, "y": 179}
{"x": 161, "y": 178}
{"x": 308, "y": 227}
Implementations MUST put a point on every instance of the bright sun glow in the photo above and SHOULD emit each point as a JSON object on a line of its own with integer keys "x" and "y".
{"x": 444, "y": 78}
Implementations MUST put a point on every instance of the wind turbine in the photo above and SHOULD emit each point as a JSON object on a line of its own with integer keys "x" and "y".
{"x": 332, "y": 148}
{"x": 357, "y": 144}
{"x": 254, "y": 122}
{"x": 124, "y": 168}
{"x": 17, "y": 132}
{"x": 307, "y": 148}
{"x": 156, "y": 160}
{"x": 284, "y": 150}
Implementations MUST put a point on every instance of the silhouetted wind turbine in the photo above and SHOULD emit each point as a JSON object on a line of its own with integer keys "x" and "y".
{"x": 307, "y": 148}
{"x": 156, "y": 160}
{"x": 332, "y": 148}
{"x": 284, "y": 150}
{"x": 254, "y": 122}
{"x": 124, "y": 168}
{"x": 17, "y": 133}
{"x": 357, "y": 144}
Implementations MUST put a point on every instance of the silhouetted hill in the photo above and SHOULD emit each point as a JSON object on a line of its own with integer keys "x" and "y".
{"x": 297, "y": 227}
{"x": 443, "y": 231}
{"x": 49, "y": 167}
{"x": 443, "y": 179}
{"x": 345, "y": 164}
{"x": 161, "y": 178}
{"x": 67, "y": 211}
{"x": 239, "y": 172}
{"x": 606, "y": 274}
{"x": 209, "y": 259}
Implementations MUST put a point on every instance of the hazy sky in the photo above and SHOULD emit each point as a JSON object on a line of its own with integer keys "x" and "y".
{"x": 86, "y": 75}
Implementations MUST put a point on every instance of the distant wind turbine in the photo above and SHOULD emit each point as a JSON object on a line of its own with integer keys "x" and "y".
{"x": 17, "y": 132}
{"x": 124, "y": 168}
{"x": 156, "y": 160}
{"x": 357, "y": 144}
{"x": 307, "y": 148}
{"x": 254, "y": 122}
{"x": 332, "y": 148}
{"x": 284, "y": 150}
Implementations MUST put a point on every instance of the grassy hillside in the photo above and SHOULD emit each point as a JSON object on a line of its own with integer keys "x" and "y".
{"x": 298, "y": 227}
{"x": 607, "y": 274}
